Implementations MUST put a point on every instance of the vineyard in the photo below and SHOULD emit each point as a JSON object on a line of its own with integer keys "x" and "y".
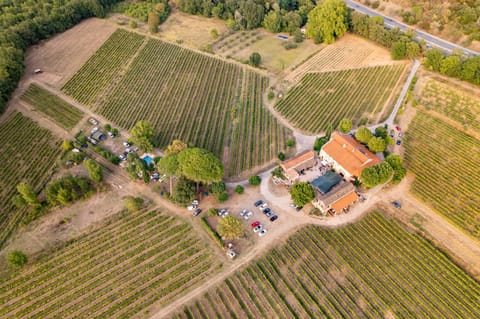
{"x": 52, "y": 106}
{"x": 323, "y": 99}
{"x": 453, "y": 102}
{"x": 100, "y": 70}
{"x": 28, "y": 154}
{"x": 372, "y": 269}
{"x": 120, "y": 269}
{"x": 445, "y": 162}
{"x": 201, "y": 100}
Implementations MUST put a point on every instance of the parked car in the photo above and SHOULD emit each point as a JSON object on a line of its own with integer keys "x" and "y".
{"x": 399, "y": 142}
{"x": 95, "y": 129}
{"x": 231, "y": 253}
{"x": 126, "y": 144}
{"x": 243, "y": 212}
{"x": 400, "y": 134}
{"x": 398, "y": 128}
{"x": 299, "y": 208}
{"x": 269, "y": 214}
{"x": 258, "y": 203}
{"x": 263, "y": 206}
{"x": 266, "y": 210}
{"x": 93, "y": 121}
{"x": 258, "y": 228}
{"x": 195, "y": 202}
{"x": 122, "y": 157}
{"x": 255, "y": 224}
{"x": 396, "y": 204}
{"x": 135, "y": 149}
{"x": 262, "y": 233}
{"x": 273, "y": 218}
{"x": 248, "y": 215}
{"x": 197, "y": 212}
{"x": 192, "y": 207}
{"x": 111, "y": 134}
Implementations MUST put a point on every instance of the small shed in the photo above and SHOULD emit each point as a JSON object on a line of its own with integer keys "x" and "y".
{"x": 99, "y": 136}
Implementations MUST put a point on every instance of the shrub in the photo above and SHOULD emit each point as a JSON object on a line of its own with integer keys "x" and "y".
{"x": 239, "y": 189}
{"x": 230, "y": 228}
{"x": 133, "y": 204}
{"x": 281, "y": 156}
{"x": 255, "y": 59}
{"x": 132, "y": 24}
{"x": 270, "y": 95}
{"x": 254, "y": 180}
{"x": 298, "y": 36}
{"x": 214, "y": 33}
{"x": 290, "y": 143}
{"x": 222, "y": 197}
{"x": 17, "y": 259}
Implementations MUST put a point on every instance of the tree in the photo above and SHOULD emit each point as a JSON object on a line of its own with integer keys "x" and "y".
{"x": 153, "y": 22}
{"x": 230, "y": 228}
{"x": 254, "y": 180}
{"x": 298, "y": 36}
{"x": 218, "y": 187}
{"x": 239, "y": 189}
{"x": 433, "y": 59}
{"x": 67, "y": 145}
{"x": 175, "y": 147}
{"x": 412, "y": 49}
{"x": 363, "y": 135}
{"x": 169, "y": 165}
{"x": 377, "y": 174}
{"x": 133, "y": 204}
{"x": 28, "y": 194}
{"x": 345, "y": 126}
{"x": 252, "y": 13}
{"x": 396, "y": 162}
{"x": 222, "y": 197}
{"x": 381, "y": 131}
{"x": 273, "y": 22}
{"x": 327, "y": 21}
{"x": 471, "y": 70}
{"x": 451, "y": 66}
{"x": 184, "y": 191}
{"x": 95, "y": 171}
{"x": 281, "y": 156}
{"x": 302, "y": 193}
{"x": 376, "y": 144}
{"x": 142, "y": 135}
{"x": 199, "y": 165}
{"x": 291, "y": 22}
{"x": 398, "y": 50}
{"x": 17, "y": 258}
{"x": 255, "y": 59}
{"x": 214, "y": 33}
{"x": 290, "y": 143}
{"x": 136, "y": 168}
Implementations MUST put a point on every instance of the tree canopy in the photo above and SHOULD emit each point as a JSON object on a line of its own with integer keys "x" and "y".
{"x": 327, "y": 21}
{"x": 377, "y": 174}
{"x": 95, "y": 171}
{"x": 302, "y": 193}
{"x": 345, "y": 126}
{"x": 255, "y": 59}
{"x": 376, "y": 144}
{"x": 396, "y": 162}
{"x": 199, "y": 165}
{"x": 363, "y": 135}
{"x": 133, "y": 204}
{"x": 254, "y": 180}
{"x": 28, "y": 194}
{"x": 230, "y": 228}
{"x": 175, "y": 147}
{"x": 184, "y": 191}
{"x": 142, "y": 135}
{"x": 17, "y": 258}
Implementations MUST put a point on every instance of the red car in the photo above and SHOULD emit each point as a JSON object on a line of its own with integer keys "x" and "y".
{"x": 255, "y": 224}
{"x": 398, "y": 128}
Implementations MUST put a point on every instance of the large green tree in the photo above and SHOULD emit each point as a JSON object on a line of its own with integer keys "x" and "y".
{"x": 433, "y": 59}
{"x": 396, "y": 162}
{"x": 345, "y": 126}
{"x": 302, "y": 193}
{"x": 452, "y": 66}
{"x": 273, "y": 22}
{"x": 363, "y": 135}
{"x": 28, "y": 194}
{"x": 327, "y": 21}
{"x": 17, "y": 258}
{"x": 199, "y": 165}
{"x": 376, "y": 144}
{"x": 230, "y": 228}
{"x": 95, "y": 171}
{"x": 184, "y": 191}
{"x": 377, "y": 174}
{"x": 168, "y": 165}
{"x": 142, "y": 135}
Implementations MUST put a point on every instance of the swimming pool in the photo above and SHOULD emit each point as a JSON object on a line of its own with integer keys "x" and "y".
{"x": 148, "y": 159}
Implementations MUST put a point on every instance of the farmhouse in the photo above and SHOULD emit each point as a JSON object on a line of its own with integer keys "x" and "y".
{"x": 347, "y": 156}
{"x": 293, "y": 167}
{"x": 338, "y": 198}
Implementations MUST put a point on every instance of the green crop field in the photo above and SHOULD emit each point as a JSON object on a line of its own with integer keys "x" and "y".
{"x": 52, "y": 106}
{"x": 446, "y": 164}
{"x": 372, "y": 269}
{"x": 103, "y": 67}
{"x": 27, "y": 154}
{"x": 135, "y": 260}
{"x": 196, "y": 98}
{"x": 454, "y": 102}
{"x": 323, "y": 99}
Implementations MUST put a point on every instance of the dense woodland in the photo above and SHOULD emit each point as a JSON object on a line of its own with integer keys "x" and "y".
{"x": 23, "y": 23}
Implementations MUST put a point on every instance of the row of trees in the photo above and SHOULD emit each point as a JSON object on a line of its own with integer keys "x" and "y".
{"x": 454, "y": 65}
{"x": 25, "y": 23}
{"x": 375, "y": 142}
{"x": 381, "y": 173}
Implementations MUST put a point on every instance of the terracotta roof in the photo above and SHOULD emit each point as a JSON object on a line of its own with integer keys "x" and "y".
{"x": 339, "y": 191}
{"x": 345, "y": 201}
{"x": 349, "y": 153}
{"x": 298, "y": 160}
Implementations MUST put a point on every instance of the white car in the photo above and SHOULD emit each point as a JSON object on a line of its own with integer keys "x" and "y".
{"x": 192, "y": 207}
{"x": 126, "y": 144}
{"x": 93, "y": 121}
{"x": 263, "y": 206}
{"x": 258, "y": 228}
{"x": 195, "y": 202}
{"x": 111, "y": 134}
{"x": 243, "y": 212}
{"x": 248, "y": 215}
{"x": 262, "y": 233}
{"x": 231, "y": 253}
{"x": 95, "y": 129}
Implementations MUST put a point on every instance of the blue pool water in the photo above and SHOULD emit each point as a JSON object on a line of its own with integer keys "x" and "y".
{"x": 148, "y": 159}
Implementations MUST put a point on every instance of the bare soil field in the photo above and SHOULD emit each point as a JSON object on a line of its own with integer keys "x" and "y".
{"x": 189, "y": 30}
{"x": 348, "y": 52}
{"x": 61, "y": 56}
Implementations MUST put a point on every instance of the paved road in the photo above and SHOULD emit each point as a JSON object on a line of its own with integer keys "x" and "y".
{"x": 432, "y": 40}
